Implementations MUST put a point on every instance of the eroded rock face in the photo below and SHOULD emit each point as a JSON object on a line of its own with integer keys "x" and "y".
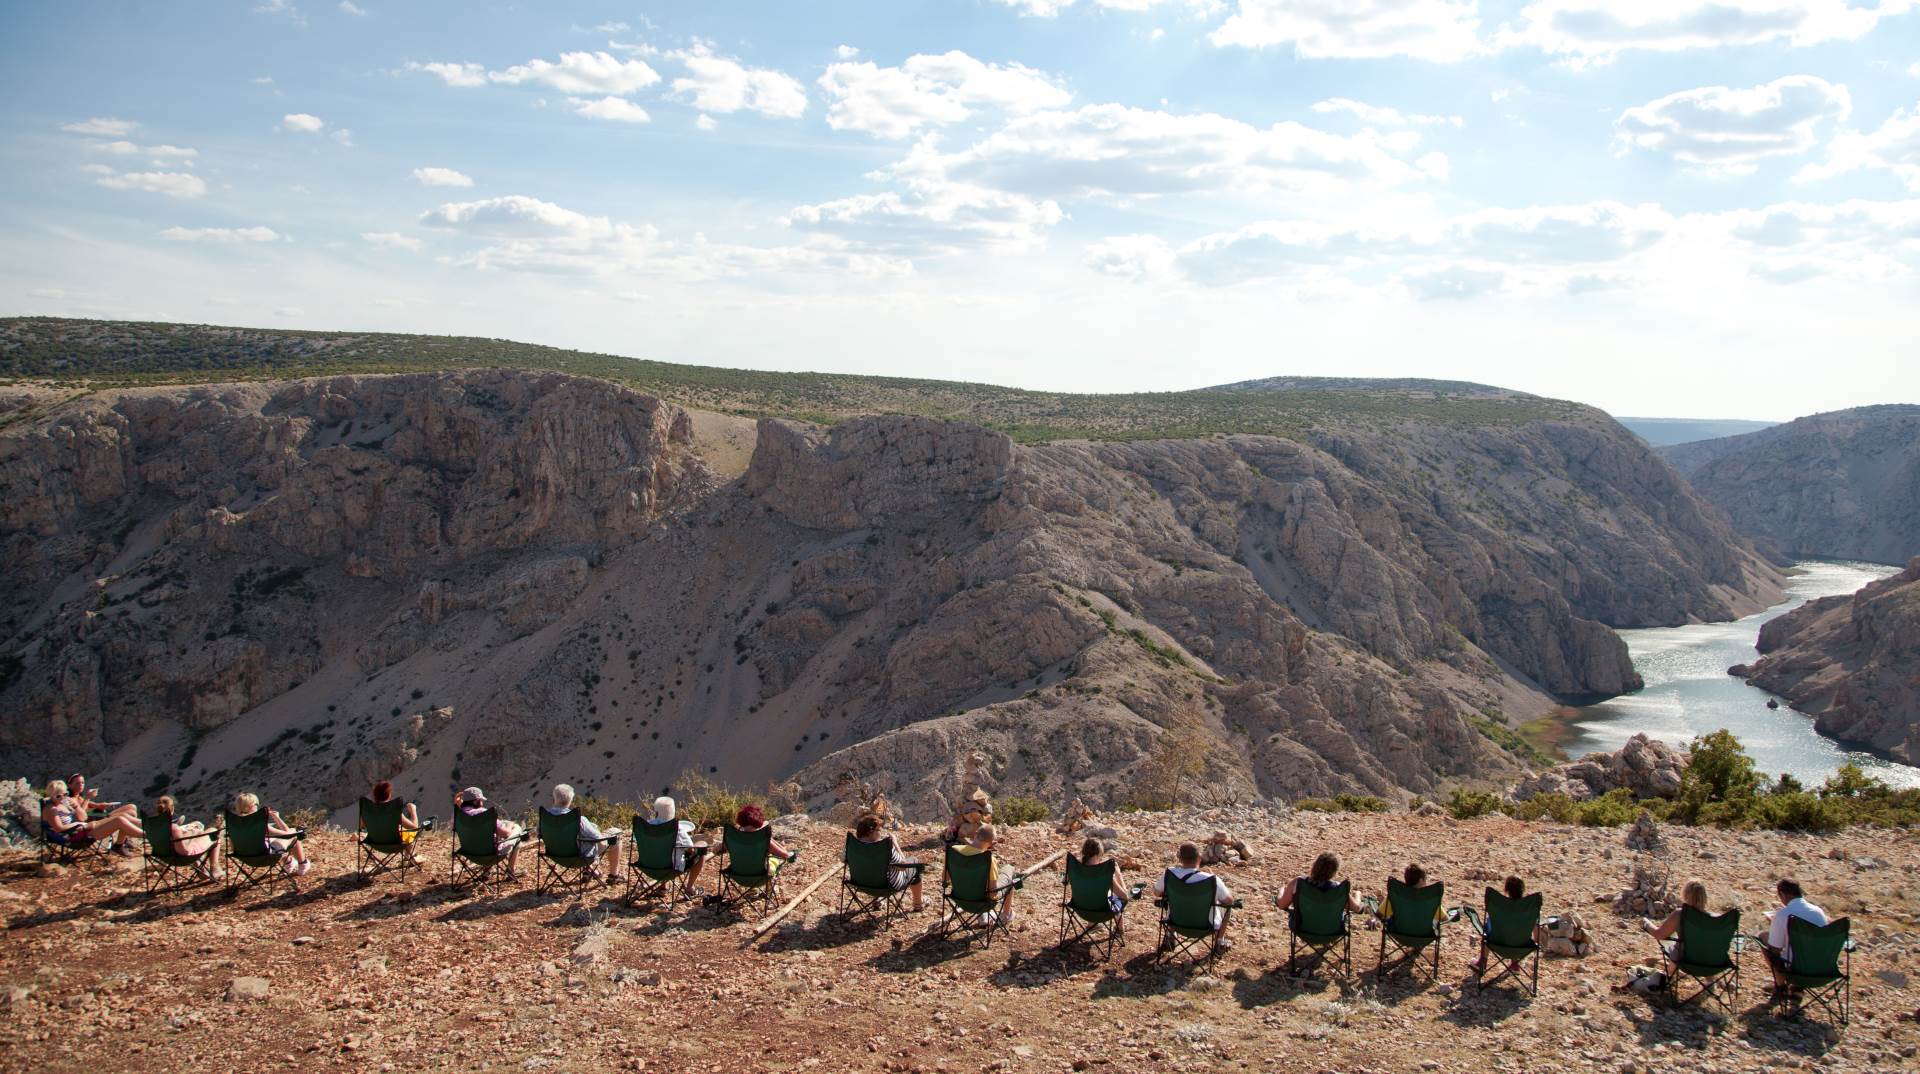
{"x": 1852, "y": 662}
{"x": 1844, "y": 485}
{"x": 284, "y": 578}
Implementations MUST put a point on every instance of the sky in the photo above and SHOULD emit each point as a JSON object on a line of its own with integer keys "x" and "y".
{"x": 1700, "y": 208}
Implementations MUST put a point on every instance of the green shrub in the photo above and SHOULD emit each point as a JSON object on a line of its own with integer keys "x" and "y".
{"x": 1798, "y": 811}
{"x": 1719, "y": 770}
{"x": 706, "y": 803}
{"x": 1465, "y": 804}
{"x": 1549, "y": 806}
{"x": 1610, "y": 810}
{"x": 605, "y": 812}
{"x": 1020, "y": 810}
{"x": 1316, "y": 805}
{"x": 1359, "y": 803}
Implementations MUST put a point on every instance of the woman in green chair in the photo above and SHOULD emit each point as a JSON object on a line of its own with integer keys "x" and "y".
{"x": 281, "y": 838}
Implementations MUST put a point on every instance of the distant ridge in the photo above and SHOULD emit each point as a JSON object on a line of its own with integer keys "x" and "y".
{"x": 1410, "y": 385}
{"x": 1666, "y": 432}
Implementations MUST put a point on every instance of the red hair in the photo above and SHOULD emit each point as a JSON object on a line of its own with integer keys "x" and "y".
{"x": 750, "y": 816}
{"x": 383, "y": 790}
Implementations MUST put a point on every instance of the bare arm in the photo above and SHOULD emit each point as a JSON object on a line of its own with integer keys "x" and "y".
{"x": 1667, "y": 928}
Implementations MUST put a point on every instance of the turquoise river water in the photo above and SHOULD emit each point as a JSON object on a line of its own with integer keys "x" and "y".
{"x": 1689, "y": 692}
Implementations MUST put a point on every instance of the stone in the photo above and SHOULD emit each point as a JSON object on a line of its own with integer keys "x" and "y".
{"x": 248, "y": 990}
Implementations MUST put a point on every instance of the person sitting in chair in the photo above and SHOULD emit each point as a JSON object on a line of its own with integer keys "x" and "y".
{"x": 1189, "y": 872}
{"x": 1694, "y": 894}
{"x": 982, "y": 843}
{"x": 473, "y": 802}
{"x": 593, "y": 842}
{"x": 409, "y": 816}
{"x": 282, "y": 838}
{"x": 1319, "y": 876}
{"x": 190, "y": 837}
{"x": 684, "y": 844}
{"x": 1793, "y": 903}
{"x": 1516, "y": 889}
{"x": 63, "y": 819}
{"x": 868, "y": 830}
{"x": 752, "y": 818}
{"x": 77, "y": 786}
{"x": 1094, "y": 852}
{"x": 1413, "y": 877}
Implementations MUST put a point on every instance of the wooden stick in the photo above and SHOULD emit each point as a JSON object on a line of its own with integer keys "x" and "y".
{"x": 796, "y": 901}
{"x": 1043, "y": 863}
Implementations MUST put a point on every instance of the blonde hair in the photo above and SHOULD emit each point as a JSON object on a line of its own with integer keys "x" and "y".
{"x": 1694, "y": 895}
{"x": 56, "y": 788}
{"x": 245, "y": 802}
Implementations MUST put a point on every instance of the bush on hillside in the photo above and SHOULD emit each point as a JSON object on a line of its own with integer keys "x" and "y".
{"x": 1465, "y": 804}
{"x": 706, "y": 803}
{"x": 1020, "y": 810}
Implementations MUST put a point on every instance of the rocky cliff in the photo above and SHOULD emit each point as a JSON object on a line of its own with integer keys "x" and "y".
{"x": 1852, "y": 662}
{"x": 508, "y": 577}
{"x": 1843, "y": 485}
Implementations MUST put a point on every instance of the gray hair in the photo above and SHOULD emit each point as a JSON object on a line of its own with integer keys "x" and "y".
{"x": 562, "y": 796}
{"x": 663, "y": 809}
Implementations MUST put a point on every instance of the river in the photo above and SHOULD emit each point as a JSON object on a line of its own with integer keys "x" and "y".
{"x": 1689, "y": 692}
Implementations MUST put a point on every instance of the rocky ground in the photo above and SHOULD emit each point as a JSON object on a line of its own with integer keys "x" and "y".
{"x": 407, "y": 976}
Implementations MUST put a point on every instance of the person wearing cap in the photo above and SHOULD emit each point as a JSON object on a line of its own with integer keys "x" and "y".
{"x": 473, "y": 802}
{"x": 1224, "y": 849}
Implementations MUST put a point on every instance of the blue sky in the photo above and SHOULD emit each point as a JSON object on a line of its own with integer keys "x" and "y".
{"x": 1673, "y": 208}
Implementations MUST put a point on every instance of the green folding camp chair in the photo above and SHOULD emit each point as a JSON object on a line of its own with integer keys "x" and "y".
{"x": 1186, "y": 919}
{"x": 969, "y": 905}
{"x": 251, "y": 862}
{"x": 1822, "y": 967}
{"x": 871, "y": 882}
{"x": 562, "y": 868}
{"x": 1508, "y": 931}
{"x": 380, "y": 850}
{"x": 479, "y": 861}
{"x": 657, "y": 869}
{"x": 1086, "y": 912}
{"x": 1707, "y": 949}
{"x": 1318, "y": 927}
{"x": 68, "y": 851}
{"x": 750, "y": 876}
{"x": 165, "y": 870}
{"x": 1413, "y": 930}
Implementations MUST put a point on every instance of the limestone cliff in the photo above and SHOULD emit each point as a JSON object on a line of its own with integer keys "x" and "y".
{"x": 1852, "y": 662}
{"x": 1843, "y": 485}
{"x": 509, "y": 577}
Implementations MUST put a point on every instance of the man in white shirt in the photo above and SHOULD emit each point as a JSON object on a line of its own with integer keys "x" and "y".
{"x": 1792, "y": 904}
{"x": 1189, "y": 872}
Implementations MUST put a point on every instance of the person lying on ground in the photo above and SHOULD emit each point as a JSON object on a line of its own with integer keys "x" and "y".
{"x": 868, "y": 830}
{"x": 473, "y": 802}
{"x": 282, "y": 838}
{"x": 1773, "y": 944}
{"x": 1188, "y": 871}
{"x": 63, "y": 819}
{"x": 593, "y": 842}
{"x": 1223, "y": 849}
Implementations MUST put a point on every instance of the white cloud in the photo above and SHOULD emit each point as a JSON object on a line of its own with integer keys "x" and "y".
{"x": 174, "y": 152}
{"x": 1793, "y": 242}
{"x": 441, "y": 177}
{"x": 220, "y": 234}
{"x": 463, "y": 75}
{"x": 579, "y": 74}
{"x": 516, "y": 216}
{"x": 172, "y": 184}
{"x": 102, "y": 127}
{"x": 848, "y": 52}
{"x": 1453, "y": 282}
{"x": 1895, "y": 146}
{"x": 343, "y": 136}
{"x": 391, "y": 240}
{"x": 351, "y": 8}
{"x": 1381, "y": 116}
{"x": 1047, "y": 9}
{"x": 1596, "y": 31}
{"x": 1111, "y": 150}
{"x": 96, "y": 169}
{"x": 930, "y": 220}
{"x": 121, "y": 148}
{"x": 303, "y": 123}
{"x": 705, "y": 122}
{"x": 931, "y": 90}
{"x": 1439, "y": 30}
{"x": 282, "y": 7}
{"x": 618, "y": 109}
{"x": 262, "y": 80}
{"x": 718, "y": 84}
{"x": 612, "y": 28}
{"x": 1130, "y": 256}
{"x": 289, "y": 311}
{"x": 1731, "y": 129}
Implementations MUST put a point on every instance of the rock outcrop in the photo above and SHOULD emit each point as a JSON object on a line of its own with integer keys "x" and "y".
{"x": 511, "y": 577}
{"x": 1852, "y": 662}
{"x": 1646, "y": 767}
{"x": 1842, "y": 485}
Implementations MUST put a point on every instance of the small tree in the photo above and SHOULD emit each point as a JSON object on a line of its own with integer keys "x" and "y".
{"x": 1177, "y": 760}
{"x": 1719, "y": 770}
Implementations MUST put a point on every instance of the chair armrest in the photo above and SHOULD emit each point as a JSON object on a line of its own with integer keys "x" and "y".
{"x": 1234, "y": 905}
{"x": 1849, "y": 945}
{"x": 298, "y": 833}
{"x": 916, "y": 867}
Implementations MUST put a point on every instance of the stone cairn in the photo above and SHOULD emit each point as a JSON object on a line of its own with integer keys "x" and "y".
{"x": 1650, "y": 894}
{"x": 1644, "y": 836}
{"x": 855, "y": 798}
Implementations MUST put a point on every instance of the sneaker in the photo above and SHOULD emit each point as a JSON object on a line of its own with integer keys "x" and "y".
{"x": 304, "y": 868}
{"x": 1223, "y": 946}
